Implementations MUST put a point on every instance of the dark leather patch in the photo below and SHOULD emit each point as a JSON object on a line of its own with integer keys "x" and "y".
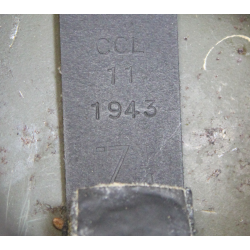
{"x": 132, "y": 210}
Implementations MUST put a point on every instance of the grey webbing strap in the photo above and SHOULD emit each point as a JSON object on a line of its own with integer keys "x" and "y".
{"x": 122, "y": 124}
{"x": 121, "y": 100}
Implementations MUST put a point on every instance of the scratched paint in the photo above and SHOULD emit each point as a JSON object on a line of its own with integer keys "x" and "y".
{"x": 14, "y": 30}
{"x": 216, "y": 100}
{"x": 30, "y": 151}
{"x": 232, "y": 36}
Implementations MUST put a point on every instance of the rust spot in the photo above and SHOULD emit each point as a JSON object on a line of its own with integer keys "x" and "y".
{"x": 25, "y": 130}
{"x": 51, "y": 111}
{"x": 48, "y": 208}
{"x": 2, "y": 149}
{"x": 198, "y": 76}
{"x": 242, "y": 51}
{"x": 58, "y": 223}
{"x": 3, "y": 160}
{"x": 211, "y": 134}
{"x": 27, "y": 141}
{"x": 243, "y": 19}
{"x": 37, "y": 157}
{"x": 216, "y": 173}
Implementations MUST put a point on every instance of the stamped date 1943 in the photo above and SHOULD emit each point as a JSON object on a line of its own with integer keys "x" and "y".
{"x": 116, "y": 109}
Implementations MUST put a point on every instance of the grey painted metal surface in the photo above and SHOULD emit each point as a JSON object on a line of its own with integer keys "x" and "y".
{"x": 30, "y": 123}
{"x": 215, "y": 122}
{"x": 121, "y": 101}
